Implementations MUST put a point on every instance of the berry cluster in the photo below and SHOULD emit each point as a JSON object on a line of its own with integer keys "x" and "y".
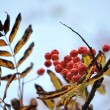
{"x": 72, "y": 66}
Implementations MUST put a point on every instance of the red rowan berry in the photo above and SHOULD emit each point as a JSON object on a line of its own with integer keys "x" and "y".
{"x": 82, "y": 50}
{"x": 64, "y": 72}
{"x": 67, "y": 58}
{"x": 82, "y": 68}
{"x": 40, "y": 71}
{"x": 55, "y": 51}
{"x": 54, "y": 57}
{"x": 47, "y": 63}
{"x": 74, "y": 71}
{"x": 73, "y": 53}
{"x": 75, "y": 78}
{"x": 70, "y": 65}
{"x": 69, "y": 75}
{"x": 63, "y": 63}
{"x": 76, "y": 59}
{"x": 105, "y": 48}
{"x": 58, "y": 68}
{"x": 56, "y": 62}
{"x": 47, "y": 56}
{"x": 93, "y": 51}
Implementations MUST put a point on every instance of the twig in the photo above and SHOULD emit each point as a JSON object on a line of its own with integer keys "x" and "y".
{"x": 96, "y": 85}
{"x": 90, "y": 48}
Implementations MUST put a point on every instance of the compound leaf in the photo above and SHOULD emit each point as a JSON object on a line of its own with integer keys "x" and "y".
{"x": 2, "y": 43}
{"x": 6, "y": 63}
{"x": 26, "y": 54}
{"x": 5, "y": 53}
{"x": 49, "y": 103}
{"x": 7, "y": 24}
{"x": 56, "y": 82}
{"x": 15, "y": 28}
{"x": 23, "y": 40}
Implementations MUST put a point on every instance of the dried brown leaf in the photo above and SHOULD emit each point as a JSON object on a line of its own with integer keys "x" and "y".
{"x": 49, "y": 103}
{"x": 1, "y": 26}
{"x": 15, "y": 28}
{"x": 6, "y": 63}
{"x": 56, "y": 82}
{"x": 7, "y": 24}
{"x": 6, "y": 78}
{"x": 8, "y": 83}
{"x": 23, "y": 40}
{"x": 2, "y": 43}
{"x": 29, "y": 107}
{"x": 5, "y": 53}
{"x": 54, "y": 94}
{"x": 26, "y": 54}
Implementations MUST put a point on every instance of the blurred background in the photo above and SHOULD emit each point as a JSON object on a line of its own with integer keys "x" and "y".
{"x": 90, "y": 18}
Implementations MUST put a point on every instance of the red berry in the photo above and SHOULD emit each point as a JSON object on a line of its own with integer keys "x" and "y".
{"x": 70, "y": 65}
{"x": 47, "y": 56}
{"x": 76, "y": 59}
{"x": 40, "y": 71}
{"x": 56, "y": 62}
{"x": 54, "y": 57}
{"x": 69, "y": 75}
{"x": 58, "y": 68}
{"x": 76, "y": 78}
{"x": 47, "y": 63}
{"x": 106, "y": 48}
{"x": 63, "y": 63}
{"x": 73, "y": 53}
{"x": 74, "y": 71}
{"x": 82, "y": 50}
{"x": 93, "y": 51}
{"x": 67, "y": 58}
{"x": 55, "y": 51}
{"x": 82, "y": 69}
{"x": 64, "y": 72}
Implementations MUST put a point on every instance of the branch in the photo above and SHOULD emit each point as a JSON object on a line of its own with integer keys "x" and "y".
{"x": 96, "y": 85}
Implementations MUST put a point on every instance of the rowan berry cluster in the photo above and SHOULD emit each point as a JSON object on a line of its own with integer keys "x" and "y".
{"x": 72, "y": 66}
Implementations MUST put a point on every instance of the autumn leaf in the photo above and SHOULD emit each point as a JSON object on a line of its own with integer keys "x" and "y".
{"x": 56, "y": 82}
{"x": 54, "y": 94}
{"x": 5, "y": 53}
{"x": 86, "y": 59}
{"x": 6, "y": 63}
{"x": 15, "y": 28}
{"x": 26, "y": 54}
{"x": 49, "y": 103}
{"x": 2, "y": 43}
{"x": 7, "y": 24}
{"x": 23, "y": 40}
{"x": 101, "y": 89}
{"x": 6, "y": 78}
{"x": 8, "y": 83}
{"x": 1, "y": 26}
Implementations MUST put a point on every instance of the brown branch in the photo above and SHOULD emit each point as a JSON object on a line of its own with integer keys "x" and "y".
{"x": 96, "y": 85}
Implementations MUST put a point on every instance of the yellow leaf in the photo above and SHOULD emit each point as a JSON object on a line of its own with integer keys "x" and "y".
{"x": 86, "y": 59}
{"x": 26, "y": 54}
{"x": 101, "y": 89}
{"x": 7, "y": 24}
{"x": 101, "y": 59}
{"x": 2, "y": 43}
{"x": 107, "y": 72}
{"x": 56, "y": 82}
{"x": 23, "y": 40}
{"x": 5, "y": 53}
{"x": 49, "y": 103}
{"x": 15, "y": 28}
{"x": 6, "y": 63}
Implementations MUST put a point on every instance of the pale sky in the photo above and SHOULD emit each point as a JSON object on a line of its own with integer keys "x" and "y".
{"x": 90, "y": 18}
